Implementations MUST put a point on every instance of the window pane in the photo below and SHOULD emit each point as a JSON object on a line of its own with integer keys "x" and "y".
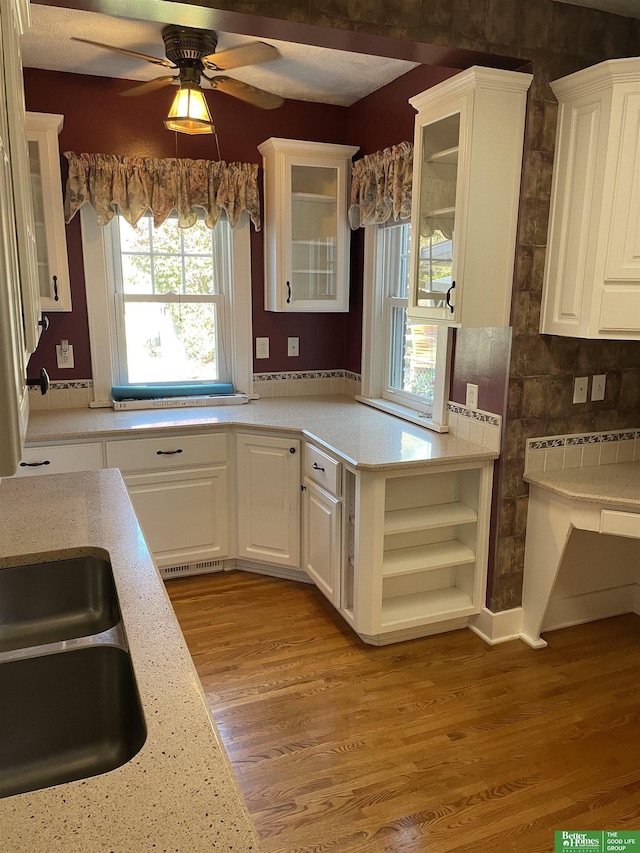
{"x": 136, "y": 274}
{"x": 413, "y": 355}
{"x": 197, "y": 240}
{"x": 167, "y": 274}
{"x": 435, "y": 269}
{"x": 198, "y": 275}
{"x": 166, "y": 238}
{"x": 170, "y": 343}
{"x": 134, "y": 239}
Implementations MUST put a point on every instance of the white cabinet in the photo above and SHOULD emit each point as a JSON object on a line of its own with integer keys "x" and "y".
{"x": 420, "y": 550}
{"x": 14, "y": 406}
{"x": 46, "y": 191}
{"x": 268, "y": 514}
{"x": 307, "y": 233}
{"x": 592, "y": 270}
{"x": 60, "y": 459}
{"x": 467, "y": 165}
{"x": 322, "y": 522}
{"x": 180, "y": 489}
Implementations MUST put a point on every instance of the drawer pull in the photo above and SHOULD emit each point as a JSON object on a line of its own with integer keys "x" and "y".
{"x": 317, "y": 467}
{"x": 168, "y": 452}
{"x": 34, "y": 464}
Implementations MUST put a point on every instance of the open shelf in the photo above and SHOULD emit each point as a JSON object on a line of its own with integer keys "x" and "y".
{"x": 424, "y": 558}
{"x": 428, "y": 517}
{"x": 320, "y": 197}
{"x": 445, "y": 603}
{"x": 447, "y": 155}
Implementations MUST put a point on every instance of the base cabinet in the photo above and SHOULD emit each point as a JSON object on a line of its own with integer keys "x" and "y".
{"x": 268, "y": 483}
{"x": 420, "y": 545}
{"x": 322, "y": 514}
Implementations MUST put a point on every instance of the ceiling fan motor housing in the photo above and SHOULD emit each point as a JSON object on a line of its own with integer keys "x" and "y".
{"x": 186, "y": 46}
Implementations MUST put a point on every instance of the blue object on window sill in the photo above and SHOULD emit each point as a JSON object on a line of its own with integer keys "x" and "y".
{"x": 152, "y": 392}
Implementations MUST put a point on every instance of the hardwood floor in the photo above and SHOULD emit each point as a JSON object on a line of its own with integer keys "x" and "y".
{"x": 438, "y": 745}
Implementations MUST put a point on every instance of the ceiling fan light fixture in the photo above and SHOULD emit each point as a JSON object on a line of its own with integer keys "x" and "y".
{"x": 189, "y": 112}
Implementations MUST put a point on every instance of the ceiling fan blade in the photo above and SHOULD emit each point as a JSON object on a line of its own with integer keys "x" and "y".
{"x": 149, "y": 86}
{"x": 245, "y": 92}
{"x": 247, "y": 54}
{"x": 146, "y": 57}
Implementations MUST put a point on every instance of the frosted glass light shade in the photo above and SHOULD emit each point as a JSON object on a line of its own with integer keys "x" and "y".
{"x": 189, "y": 112}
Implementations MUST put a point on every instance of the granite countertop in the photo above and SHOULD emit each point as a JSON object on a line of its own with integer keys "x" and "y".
{"x": 617, "y": 484}
{"x": 179, "y": 792}
{"x": 361, "y": 435}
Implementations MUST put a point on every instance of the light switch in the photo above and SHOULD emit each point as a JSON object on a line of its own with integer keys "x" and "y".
{"x": 598, "y": 385}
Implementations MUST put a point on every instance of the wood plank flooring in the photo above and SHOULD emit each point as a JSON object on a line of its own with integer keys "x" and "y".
{"x": 438, "y": 745}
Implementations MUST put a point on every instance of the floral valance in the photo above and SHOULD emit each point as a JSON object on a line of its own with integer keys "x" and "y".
{"x": 381, "y": 186}
{"x": 133, "y": 186}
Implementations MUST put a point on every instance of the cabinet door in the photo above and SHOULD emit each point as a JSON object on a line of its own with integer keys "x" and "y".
{"x": 183, "y": 514}
{"x": 321, "y": 523}
{"x": 268, "y": 482}
{"x": 437, "y": 164}
{"x": 46, "y": 191}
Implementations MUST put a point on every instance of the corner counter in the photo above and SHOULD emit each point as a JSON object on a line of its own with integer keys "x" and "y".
{"x": 179, "y": 792}
{"x": 363, "y": 437}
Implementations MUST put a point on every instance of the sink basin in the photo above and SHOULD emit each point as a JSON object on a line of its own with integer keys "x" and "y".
{"x": 66, "y": 716}
{"x": 61, "y": 600}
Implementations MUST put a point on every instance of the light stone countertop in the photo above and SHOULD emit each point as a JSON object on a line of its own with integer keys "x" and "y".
{"x": 361, "y": 435}
{"x": 617, "y": 484}
{"x": 179, "y": 792}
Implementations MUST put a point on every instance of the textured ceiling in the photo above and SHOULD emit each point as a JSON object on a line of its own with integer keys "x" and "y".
{"x": 303, "y": 72}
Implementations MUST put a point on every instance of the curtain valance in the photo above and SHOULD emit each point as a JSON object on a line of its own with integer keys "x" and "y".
{"x": 135, "y": 185}
{"x": 381, "y": 186}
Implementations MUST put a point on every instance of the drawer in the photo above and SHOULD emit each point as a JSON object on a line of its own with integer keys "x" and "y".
{"x": 620, "y": 523}
{"x": 60, "y": 459}
{"x": 322, "y": 468}
{"x": 171, "y": 451}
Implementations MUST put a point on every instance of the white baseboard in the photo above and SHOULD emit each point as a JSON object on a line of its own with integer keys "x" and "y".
{"x": 496, "y": 628}
{"x": 590, "y": 606}
{"x": 284, "y": 572}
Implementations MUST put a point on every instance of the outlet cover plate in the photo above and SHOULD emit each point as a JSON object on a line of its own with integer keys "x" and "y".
{"x": 472, "y": 396}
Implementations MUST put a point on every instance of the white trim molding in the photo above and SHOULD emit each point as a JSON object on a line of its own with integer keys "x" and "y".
{"x": 495, "y": 628}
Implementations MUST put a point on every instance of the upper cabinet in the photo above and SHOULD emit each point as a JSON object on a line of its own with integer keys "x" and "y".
{"x": 46, "y": 191}
{"x": 468, "y": 142}
{"x": 306, "y": 188}
{"x": 592, "y": 271}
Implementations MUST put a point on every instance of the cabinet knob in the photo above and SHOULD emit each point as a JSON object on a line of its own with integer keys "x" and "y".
{"x": 451, "y": 307}
{"x": 292, "y": 450}
{"x": 288, "y": 293}
{"x": 42, "y": 381}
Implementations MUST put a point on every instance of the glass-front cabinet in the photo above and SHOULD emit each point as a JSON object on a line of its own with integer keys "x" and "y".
{"x": 46, "y": 192}
{"x": 306, "y": 229}
{"x": 467, "y": 163}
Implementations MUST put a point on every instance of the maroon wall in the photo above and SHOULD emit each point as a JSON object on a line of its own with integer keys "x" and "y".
{"x": 97, "y": 120}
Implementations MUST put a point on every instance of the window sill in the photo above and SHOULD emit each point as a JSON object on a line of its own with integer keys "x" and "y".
{"x": 403, "y": 412}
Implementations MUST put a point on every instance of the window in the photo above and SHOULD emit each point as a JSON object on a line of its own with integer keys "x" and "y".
{"x": 169, "y": 285}
{"x": 161, "y": 303}
{"x": 405, "y": 362}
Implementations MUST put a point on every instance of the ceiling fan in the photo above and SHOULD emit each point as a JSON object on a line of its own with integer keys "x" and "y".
{"x": 192, "y": 53}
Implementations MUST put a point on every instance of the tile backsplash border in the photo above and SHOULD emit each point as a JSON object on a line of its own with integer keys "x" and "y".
{"x": 77, "y": 394}
{"x": 583, "y": 450}
{"x": 480, "y": 427}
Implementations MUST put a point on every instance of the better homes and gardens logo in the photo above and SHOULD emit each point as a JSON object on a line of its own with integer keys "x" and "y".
{"x": 600, "y": 841}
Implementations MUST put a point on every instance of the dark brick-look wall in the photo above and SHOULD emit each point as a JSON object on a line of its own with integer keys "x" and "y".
{"x": 557, "y": 39}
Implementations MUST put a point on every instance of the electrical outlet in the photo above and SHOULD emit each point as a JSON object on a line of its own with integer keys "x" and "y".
{"x": 472, "y": 396}
{"x": 598, "y": 384}
{"x": 64, "y": 354}
{"x": 262, "y": 347}
{"x": 580, "y": 385}
{"x": 293, "y": 346}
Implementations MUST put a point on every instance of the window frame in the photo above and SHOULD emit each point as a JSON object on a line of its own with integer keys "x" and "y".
{"x": 375, "y": 390}
{"x": 100, "y": 277}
